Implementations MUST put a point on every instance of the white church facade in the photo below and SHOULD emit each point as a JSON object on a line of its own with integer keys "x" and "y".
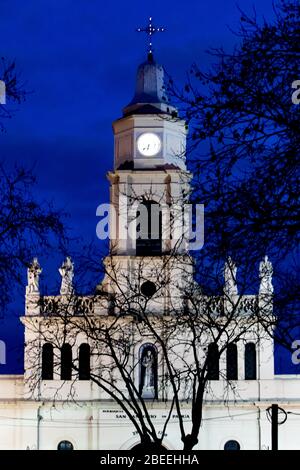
{"x": 56, "y": 405}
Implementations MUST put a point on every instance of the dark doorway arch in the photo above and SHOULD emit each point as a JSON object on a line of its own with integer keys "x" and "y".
{"x": 149, "y": 447}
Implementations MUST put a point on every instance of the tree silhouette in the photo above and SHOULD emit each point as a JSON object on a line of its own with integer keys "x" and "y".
{"x": 14, "y": 89}
{"x": 245, "y": 148}
{"x": 27, "y": 227}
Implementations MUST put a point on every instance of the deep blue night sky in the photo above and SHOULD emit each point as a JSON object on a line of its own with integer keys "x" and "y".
{"x": 79, "y": 59}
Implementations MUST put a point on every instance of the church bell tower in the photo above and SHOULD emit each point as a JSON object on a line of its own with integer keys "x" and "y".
{"x": 149, "y": 177}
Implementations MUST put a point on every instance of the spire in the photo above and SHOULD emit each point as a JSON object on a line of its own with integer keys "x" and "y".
{"x": 150, "y": 95}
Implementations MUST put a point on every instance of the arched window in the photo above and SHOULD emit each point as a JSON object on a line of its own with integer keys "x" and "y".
{"x": 47, "y": 362}
{"x": 84, "y": 362}
{"x": 213, "y": 362}
{"x": 148, "y": 229}
{"x": 66, "y": 362}
{"x": 250, "y": 361}
{"x": 65, "y": 445}
{"x": 232, "y": 362}
{"x": 148, "y": 371}
{"x": 232, "y": 445}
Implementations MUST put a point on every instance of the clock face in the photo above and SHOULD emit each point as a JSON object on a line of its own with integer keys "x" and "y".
{"x": 149, "y": 144}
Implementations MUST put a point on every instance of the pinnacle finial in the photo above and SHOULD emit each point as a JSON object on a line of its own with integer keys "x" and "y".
{"x": 67, "y": 273}
{"x": 265, "y": 275}
{"x": 230, "y": 270}
{"x": 33, "y": 275}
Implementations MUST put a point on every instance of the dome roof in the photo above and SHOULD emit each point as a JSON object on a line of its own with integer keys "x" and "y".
{"x": 150, "y": 95}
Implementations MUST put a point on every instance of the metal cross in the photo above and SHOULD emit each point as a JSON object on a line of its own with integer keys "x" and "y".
{"x": 150, "y": 30}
